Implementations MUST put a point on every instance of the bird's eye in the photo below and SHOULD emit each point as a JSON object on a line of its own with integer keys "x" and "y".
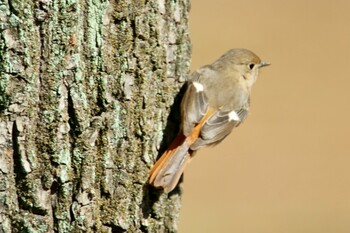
{"x": 251, "y": 66}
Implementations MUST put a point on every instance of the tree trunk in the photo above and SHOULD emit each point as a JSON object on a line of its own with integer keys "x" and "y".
{"x": 86, "y": 91}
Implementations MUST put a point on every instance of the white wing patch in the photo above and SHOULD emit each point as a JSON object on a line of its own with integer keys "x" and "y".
{"x": 233, "y": 116}
{"x": 199, "y": 87}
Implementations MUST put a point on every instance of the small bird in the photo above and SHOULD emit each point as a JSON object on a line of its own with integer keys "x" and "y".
{"x": 216, "y": 100}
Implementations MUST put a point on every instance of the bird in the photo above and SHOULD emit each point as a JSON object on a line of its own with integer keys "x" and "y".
{"x": 216, "y": 101}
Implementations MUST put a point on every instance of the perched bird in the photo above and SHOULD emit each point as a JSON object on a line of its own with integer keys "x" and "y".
{"x": 216, "y": 101}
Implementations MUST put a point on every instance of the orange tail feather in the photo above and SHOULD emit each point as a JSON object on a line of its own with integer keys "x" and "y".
{"x": 168, "y": 169}
{"x": 165, "y": 156}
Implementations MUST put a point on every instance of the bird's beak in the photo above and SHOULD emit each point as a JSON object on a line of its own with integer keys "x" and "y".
{"x": 264, "y": 63}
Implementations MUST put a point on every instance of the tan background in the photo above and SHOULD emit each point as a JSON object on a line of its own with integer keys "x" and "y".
{"x": 286, "y": 169}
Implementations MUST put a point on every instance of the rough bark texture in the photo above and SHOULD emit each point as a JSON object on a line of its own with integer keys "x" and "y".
{"x": 86, "y": 91}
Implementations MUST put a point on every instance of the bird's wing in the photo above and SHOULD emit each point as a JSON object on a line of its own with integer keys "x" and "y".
{"x": 218, "y": 126}
{"x": 194, "y": 105}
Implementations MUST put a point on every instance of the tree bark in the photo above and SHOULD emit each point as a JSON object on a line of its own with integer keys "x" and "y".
{"x": 88, "y": 100}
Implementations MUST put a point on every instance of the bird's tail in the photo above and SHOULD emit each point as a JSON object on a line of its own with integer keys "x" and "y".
{"x": 168, "y": 169}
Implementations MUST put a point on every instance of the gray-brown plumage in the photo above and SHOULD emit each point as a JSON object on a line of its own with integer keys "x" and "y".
{"x": 216, "y": 101}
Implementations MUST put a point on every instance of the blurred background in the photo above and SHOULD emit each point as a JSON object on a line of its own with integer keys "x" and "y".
{"x": 286, "y": 169}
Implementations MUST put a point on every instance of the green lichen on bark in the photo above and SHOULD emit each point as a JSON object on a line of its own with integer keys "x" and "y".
{"x": 86, "y": 90}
